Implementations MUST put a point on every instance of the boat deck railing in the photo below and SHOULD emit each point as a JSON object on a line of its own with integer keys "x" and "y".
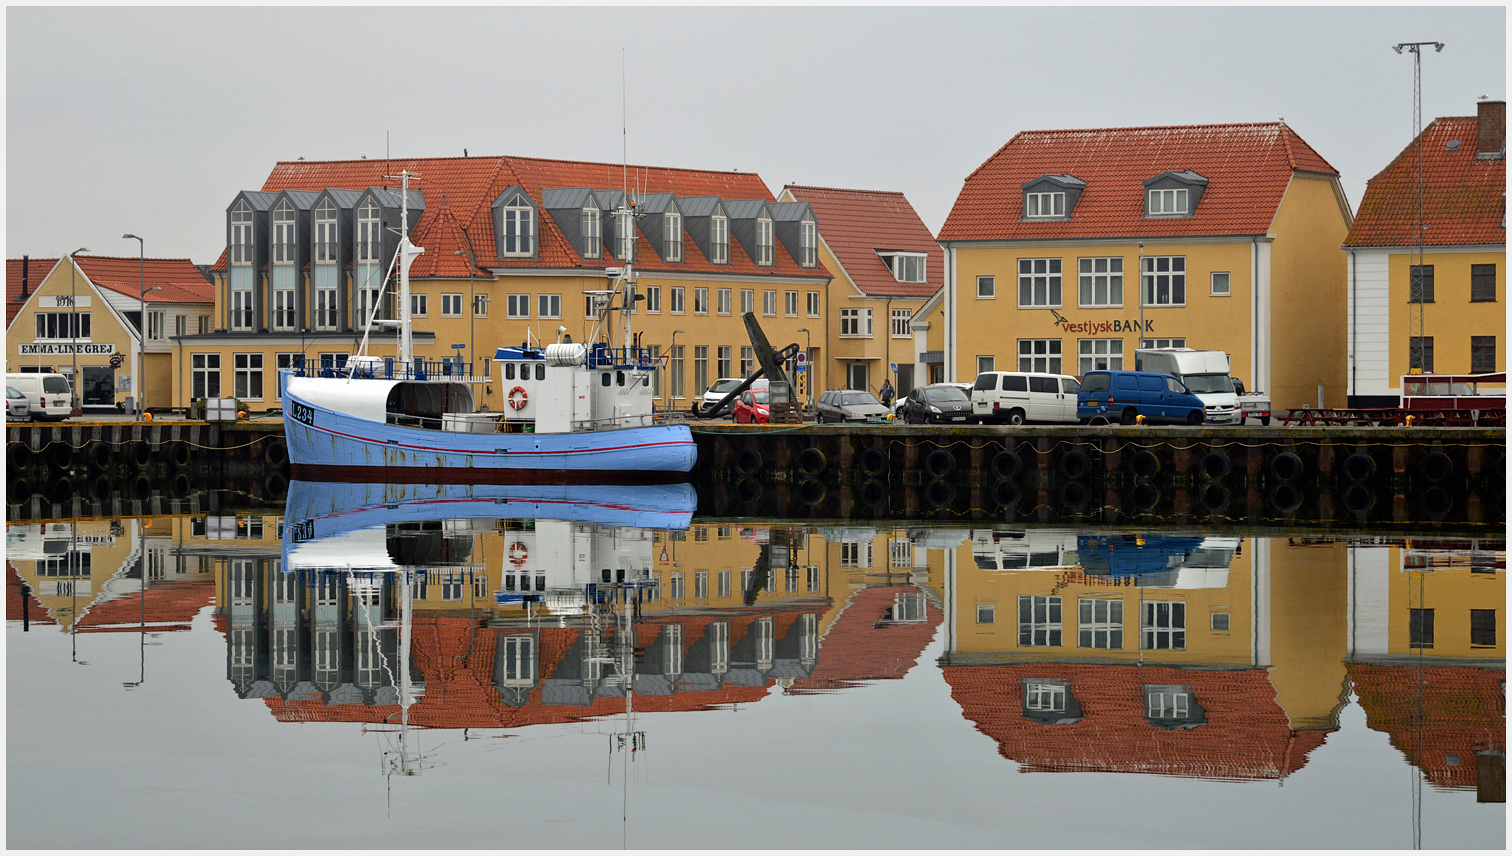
{"x": 389, "y": 369}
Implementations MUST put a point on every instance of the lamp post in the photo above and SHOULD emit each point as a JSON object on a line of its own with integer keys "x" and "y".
{"x": 141, "y": 396}
{"x": 672, "y": 355}
{"x": 472, "y": 310}
{"x": 73, "y": 324}
{"x": 1415, "y": 355}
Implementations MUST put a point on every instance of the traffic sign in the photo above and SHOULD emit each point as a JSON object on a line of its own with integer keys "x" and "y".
{"x": 894, "y": 367}
{"x": 802, "y": 358}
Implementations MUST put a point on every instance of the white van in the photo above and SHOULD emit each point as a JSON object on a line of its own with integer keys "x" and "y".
{"x": 1018, "y": 397}
{"x": 49, "y": 394}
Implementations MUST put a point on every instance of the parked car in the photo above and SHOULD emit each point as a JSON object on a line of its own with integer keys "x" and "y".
{"x": 1124, "y": 396}
{"x": 899, "y": 404}
{"x": 718, "y": 390}
{"x": 850, "y": 405}
{"x": 940, "y": 402}
{"x": 49, "y": 395}
{"x": 1018, "y": 397}
{"x": 16, "y": 406}
{"x": 753, "y": 406}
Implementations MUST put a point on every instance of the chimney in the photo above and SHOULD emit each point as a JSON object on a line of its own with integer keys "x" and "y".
{"x": 25, "y": 274}
{"x": 1490, "y": 128}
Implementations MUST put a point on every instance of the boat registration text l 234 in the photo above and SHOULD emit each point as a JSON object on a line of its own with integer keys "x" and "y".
{"x": 302, "y": 413}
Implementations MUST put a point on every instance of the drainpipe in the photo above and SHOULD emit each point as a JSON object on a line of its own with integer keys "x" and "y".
{"x": 947, "y": 327}
{"x": 1354, "y": 331}
{"x": 1255, "y": 319}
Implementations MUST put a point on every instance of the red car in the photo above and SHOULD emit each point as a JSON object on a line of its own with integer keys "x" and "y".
{"x": 753, "y": 406}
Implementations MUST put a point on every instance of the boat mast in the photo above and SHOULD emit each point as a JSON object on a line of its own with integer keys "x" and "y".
{"x": 407, "y": 254}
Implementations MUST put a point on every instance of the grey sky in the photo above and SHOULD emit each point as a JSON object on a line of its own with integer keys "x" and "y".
{"x": 150, "y": 120}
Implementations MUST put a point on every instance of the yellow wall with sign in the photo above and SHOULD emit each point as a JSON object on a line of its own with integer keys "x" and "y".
{"x": 1451, "y": 319}
{"x": 108, "y": 335}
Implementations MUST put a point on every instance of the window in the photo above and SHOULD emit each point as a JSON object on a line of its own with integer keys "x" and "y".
{"x": 1420, "y": 285}
{"x": 1172, "y": 707}
{"x": 724, "y": 578}
{"x": 747, "y": 300}
{"x": 986, "y": 613}
{"x": 985, "y": 363}
{"x": 986, "y": 287}
{"x": 180, "y": 325}
{"x": 63, "y": 325}
{"x": 1164, "y": 625}
{"x": 419, "y": 305}
{"x": 1044, "y": 204}
{"x": 283, "y": 309}
{"x": 1099, "y": 623}
{"x": 900, "y": 318}
{"x": 1482, "y": 354}
{"x": 769, "y": 302}
{"x": 205, "y": 375}
{"x": 325, "y": 308}
{"x": 241, "y": 233}
{"x": 747, "y": 360}
{"x": 451, "y": 305}
{"x": 679, "y": 300}
{"x": 700, "y": 368}
{"x": 1040, "y": 355}
{"x": 1163, "y": 343}
{"x": 282, "y": 362}
{"x": 856, "y": 322}
{"x": 1168, "y": 202}
{"x": 813, "y": 304}
{"x": 591, "y": 241}
{"x": 369, "y": 238}
{"x": 1220, "y": 284}
{"x": 1039, "y": 620}
{"x": 1482, "y": 627}
{"x": 675, "y": 366}
{"x": 1101, "y": 282}
{"x": 790, "y": 303}
{"x": 653, "y": 299}
{"x": 1039, "y": 282}
{"x": 855, "y": 554}
{"x": 700, "y": 588}
{"x": 241, "y": 309}
{"x": 1099, "y": 354}
{"x": 1420, "y": 353}
{"x": 719, "y": 241}
{"x": 1165, "y": 281}
{"x": 1219, "y": 621}
{"x": 724, "y": 301}
{"x": 764, "y": 241}
{"x": 1482, "y": 283}
{"x": 808, "y": 243}
{"x": 518, "y": 227}
{"x": 701, "y": 301}
{"x": 724, "y": 361}
{"x": 283, "y": 233}
{"x": 1419, "y": 628}
{"x": 672, "y": 240}
{"x": 248, "y": 376}
{"x": 907, "y": 267}
{"x": 155, "y": 326}
{"x": 325, "y": 232}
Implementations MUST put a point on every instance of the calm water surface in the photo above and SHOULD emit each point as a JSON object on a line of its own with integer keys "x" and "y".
{"x": 379, "y": 667}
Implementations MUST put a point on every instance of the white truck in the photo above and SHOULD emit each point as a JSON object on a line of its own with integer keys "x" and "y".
{"x": 1205, "y": 373}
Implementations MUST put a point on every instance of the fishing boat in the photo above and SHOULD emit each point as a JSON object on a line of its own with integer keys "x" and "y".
{"x": 573, "y": 409}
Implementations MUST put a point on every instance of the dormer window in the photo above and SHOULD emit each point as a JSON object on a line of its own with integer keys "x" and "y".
{"x": 906, "y": 267}
{"x": 719, "y": 240}
{"x": 1045, "y": 204}
{"x": 1173, "y": 194}
{"x": 591, "y": 236}
{"x": 241, "y": 234}
{"x": 517, "y": 227}
{"x": 763, "y": 241}
{"x": 808, "y": 244}
{"x": 1169, "y": 201}
{"x": 369, "y": 238}
{"x": 283, "y": 233}
{"x": 325, "y": 232}
{"x": 672, "y": 242}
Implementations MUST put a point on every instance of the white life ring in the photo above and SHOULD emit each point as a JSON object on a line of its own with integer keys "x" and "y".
{"x": 517, "y": 554}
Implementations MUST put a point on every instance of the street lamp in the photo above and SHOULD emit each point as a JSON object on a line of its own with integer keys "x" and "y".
{"x": 672, "y": 355}
{"x": 141, "y": 391}
{"x": 472, "y": 310}
{"x": 73, "y": 323}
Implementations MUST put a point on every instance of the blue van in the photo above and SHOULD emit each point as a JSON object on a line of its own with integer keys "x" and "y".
{"x": 1120, "y": 396}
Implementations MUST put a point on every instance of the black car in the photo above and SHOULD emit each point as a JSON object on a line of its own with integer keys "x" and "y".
{"x": 939, "y": 402}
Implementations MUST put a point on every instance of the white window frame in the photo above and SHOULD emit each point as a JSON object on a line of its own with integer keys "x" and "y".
{"x": 1039, "y": 355}
{"x": 517, "y": 231}
{"x": 1220, "y": 284}
{"x": 155, "y": 321}
{"x": 678, "y": 303}
{"x": 592, "y": 243}
{"x": 284, "y": 310}
{"x": 1098, "y": 620}
{"x": 908, "y": 267}
{"x": 1045, "y": 621}
{"x": 1099, "y": 354}
{"x": 856, "y": 323}
{"x": 326, "y": 309}
{"x": 1042, "y": 279}
{"x": 419, "y": 305}
{"x": 808, "y": 243}
{"x": 900, "y": 319}
{"x": 1163, "y": 272}
{"x": 247, "y": 376}
{"x": 724, "y": 301}
{"x": 986, "y": 363}
{"x": 369, "y": 233}
{"x": 1177, "y": 342}
{"x": 1162, "y": 625}
{"x": 814, "y": 310}
{"x": 282, "y": 221}
{"x": 1045, "y": 205}
{"x": 243, "y": 312}
{"x": 515, "y": 306}
{"x": 325, "y": 232}
{"x": 1167, "y": 202}
{"x": 747, "y": 360}
{"x": 205, "y": 378}
{"x": 653, "y": 300}
{"x": 764, "y": 254}
{"x": 769, "y": 302}
{"x": 241, "y": 233}
{"x": 549, "y": 306}
{"x": 722, "y": 366}
{"x": 790, "y": 304}
{"x": 747, "y": 300}
{"x": 701, "y": 300}
{"x": 451, "y": 304}
{"x": 986, "y": 288}
{"x": 1099, "y": 282}
{"x": 719, "y": 240}
{"x": 672, "y": 240}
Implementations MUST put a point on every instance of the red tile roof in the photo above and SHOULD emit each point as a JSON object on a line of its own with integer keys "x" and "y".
{"x": 168, "y": 607}
{"x": 857, "y": 223}
{"x": 179, "y": 280}
{"x": 1247, "y": 734}
{"x": 856, "y": 649}
{"x": 1439, "y": 717}
{"x": 459, "y": 194}
{"x": 36, "y": 271}
{"x": 1248, "y": 167}
{"x": 16, "y": 605}
{"x": 1464, "y": 197}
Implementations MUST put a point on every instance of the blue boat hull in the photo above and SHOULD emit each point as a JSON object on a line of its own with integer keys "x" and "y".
{"x": 327, "y": 445}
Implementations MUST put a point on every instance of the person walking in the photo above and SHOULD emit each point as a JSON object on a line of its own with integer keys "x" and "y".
{"x": 886, "y": 393}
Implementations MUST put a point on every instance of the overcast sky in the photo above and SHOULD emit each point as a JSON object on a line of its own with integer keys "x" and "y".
{"x": 150, "y": 120}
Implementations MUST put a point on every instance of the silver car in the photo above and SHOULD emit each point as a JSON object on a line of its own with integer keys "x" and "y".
{"x": 17, "y": 408}
{"x": 850, "y": 405}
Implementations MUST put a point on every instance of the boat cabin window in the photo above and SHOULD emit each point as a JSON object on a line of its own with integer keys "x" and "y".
{"x": 619, "y": 378}
{"x": 605, "y": 379}
{"x": 509, "y": 371}
{"x": 540, "y": 371}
